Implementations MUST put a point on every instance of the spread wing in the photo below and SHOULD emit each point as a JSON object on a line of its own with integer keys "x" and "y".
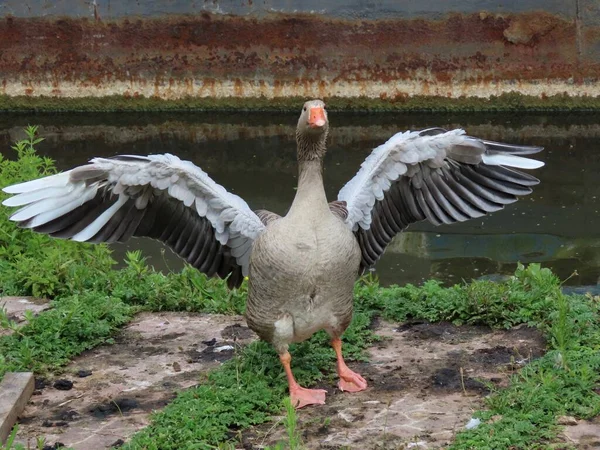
{"x": 158, "y": 196}
{"x": 436, "y": 175}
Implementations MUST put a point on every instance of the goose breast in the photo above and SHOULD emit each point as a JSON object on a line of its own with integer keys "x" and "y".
{"x": 304, "y": 272}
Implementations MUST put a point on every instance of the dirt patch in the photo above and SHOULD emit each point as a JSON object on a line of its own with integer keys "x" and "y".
{"x": 114, "y": 388}
{"x": 584, "y": 434}
{"x": 442, "y": 331}
{"x": 15, "y": 308}
{"x": 425, "y": 382}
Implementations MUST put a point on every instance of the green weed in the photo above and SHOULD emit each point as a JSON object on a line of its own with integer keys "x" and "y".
{"x": 527, "y": 297}
{"x": 10, "y": 441}
{"x": 291, "y": 426}
{"x": 11, "y": 445}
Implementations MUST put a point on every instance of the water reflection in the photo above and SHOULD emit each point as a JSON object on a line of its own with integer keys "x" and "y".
{"x": 253, "y": 155}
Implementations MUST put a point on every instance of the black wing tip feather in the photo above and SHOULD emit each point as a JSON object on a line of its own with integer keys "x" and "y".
{"x": 171, "y": 222}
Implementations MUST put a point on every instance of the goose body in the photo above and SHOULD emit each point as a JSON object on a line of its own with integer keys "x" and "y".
{"x": 302, "y": 272}
{"x": 302, "y": 267}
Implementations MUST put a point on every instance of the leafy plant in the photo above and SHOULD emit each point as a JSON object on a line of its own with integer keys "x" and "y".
{"x": 90, "y": 300}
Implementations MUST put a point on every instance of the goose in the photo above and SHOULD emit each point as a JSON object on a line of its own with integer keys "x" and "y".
{"x": 301, "y": 267}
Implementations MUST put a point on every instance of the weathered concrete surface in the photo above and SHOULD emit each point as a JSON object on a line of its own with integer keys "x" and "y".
{"x": 416, "y": 391}
{"x": 425, "y": 382}
{"x": 154, "y": 357}
{"x": 348, "y": 9}
{"x": 583, "y": 434}
{"x": 16, "y": 308}
{"x": 282, "y": 49}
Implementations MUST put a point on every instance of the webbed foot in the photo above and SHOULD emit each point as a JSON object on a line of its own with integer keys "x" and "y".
{"x": 302, "y": 397}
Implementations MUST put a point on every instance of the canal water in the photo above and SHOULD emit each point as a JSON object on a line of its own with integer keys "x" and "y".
{"x": 253, "y": 155}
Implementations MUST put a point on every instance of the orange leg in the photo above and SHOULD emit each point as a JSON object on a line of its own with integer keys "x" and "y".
{"x": 349, "y": 381}
{"x": 300, "y": 396}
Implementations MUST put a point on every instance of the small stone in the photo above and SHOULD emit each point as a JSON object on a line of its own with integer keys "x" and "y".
{"x": 346, "y": 416}
{"x": 63, "y": 384}
{"x": 56, "y": 446}
{"x": 68, "y": 415}
{"x": 60, "y": 423}
{"x": 84, "y": 373}
{"x": 566, "y": 420}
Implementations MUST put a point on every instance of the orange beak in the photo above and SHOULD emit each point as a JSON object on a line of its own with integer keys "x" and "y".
{"x": 316, "y": 117}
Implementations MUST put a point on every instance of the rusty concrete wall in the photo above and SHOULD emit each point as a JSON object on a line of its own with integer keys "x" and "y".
{"x": 383, "y": 49}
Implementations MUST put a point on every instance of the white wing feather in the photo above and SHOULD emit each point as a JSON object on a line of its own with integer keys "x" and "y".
{"x": 47, "y": 198}
{"x": 517, "y": 162}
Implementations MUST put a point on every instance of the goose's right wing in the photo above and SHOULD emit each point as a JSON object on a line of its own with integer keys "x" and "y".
{"x": 157, "y": 196}
{"x": 436, "y": 175}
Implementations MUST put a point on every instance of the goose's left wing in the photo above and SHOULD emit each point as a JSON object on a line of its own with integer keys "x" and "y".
{"x": 436, "y": 175}
{"x": 156, "y": 196}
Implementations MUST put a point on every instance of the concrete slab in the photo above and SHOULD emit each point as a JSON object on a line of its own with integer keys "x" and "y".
{"x": 15, "y": 390}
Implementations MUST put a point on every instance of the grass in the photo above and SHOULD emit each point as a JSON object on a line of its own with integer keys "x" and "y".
{"x": 563, "y": 382}
{"x": 91, "y": 300}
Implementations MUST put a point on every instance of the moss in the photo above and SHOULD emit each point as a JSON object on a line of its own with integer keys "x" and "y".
{"x": 504, "y": 102}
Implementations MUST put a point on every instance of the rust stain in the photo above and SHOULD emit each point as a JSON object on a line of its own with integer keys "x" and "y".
{"x": 281, "y": 55}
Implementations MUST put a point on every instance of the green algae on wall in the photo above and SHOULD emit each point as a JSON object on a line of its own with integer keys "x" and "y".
{"x": 117, "y": 103}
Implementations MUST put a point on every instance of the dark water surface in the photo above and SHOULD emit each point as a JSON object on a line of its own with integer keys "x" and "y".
{"x": 253, "y": 155}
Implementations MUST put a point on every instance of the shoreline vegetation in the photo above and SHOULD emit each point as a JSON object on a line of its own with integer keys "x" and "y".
{"x": 122, "y": 103}
{"x": 91, "y": 300}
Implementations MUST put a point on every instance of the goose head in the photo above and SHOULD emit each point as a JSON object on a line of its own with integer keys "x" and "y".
{"x": 312, "y": 130}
